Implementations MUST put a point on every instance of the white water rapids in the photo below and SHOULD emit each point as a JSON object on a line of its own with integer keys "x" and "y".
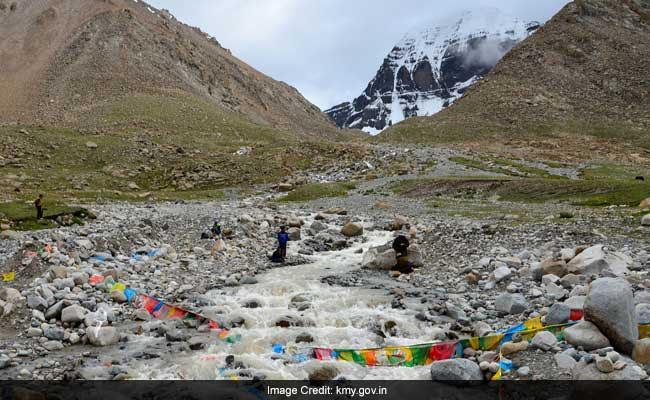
{"x": 342, "y": 317}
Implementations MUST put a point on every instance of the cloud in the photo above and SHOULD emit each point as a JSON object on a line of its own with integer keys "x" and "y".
{"x": 327, "y": 49}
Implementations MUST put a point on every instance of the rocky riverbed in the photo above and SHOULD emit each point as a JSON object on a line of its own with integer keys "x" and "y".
{"x": 474, "y": 277}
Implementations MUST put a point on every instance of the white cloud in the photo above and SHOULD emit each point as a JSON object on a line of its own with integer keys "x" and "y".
{"x": 328, "y": 49}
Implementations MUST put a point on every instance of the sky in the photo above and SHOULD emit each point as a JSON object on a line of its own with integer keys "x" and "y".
{"x": 328, "y": 49}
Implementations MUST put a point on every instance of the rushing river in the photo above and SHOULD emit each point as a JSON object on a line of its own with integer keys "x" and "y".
{"x": 337, "y": 317}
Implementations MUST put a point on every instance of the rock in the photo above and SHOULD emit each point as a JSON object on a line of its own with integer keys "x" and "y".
{"x": 642, "y": 314}
{"x": 512, "y": 262}
{"x": 641, "y": 352}
{"x": 510, "y": 303}
{"x": 645, "y": 203}
{"x": 294, "y": 234}
{"x": 550, "y": 278}
{"x": 481, "y": 328}
{"x": 502, "y": 273}
{"x": 559, "y": 313}
{"x": 36, "y": 302}
{"x": 565, "y": 362}
{"x": 555, "y": 291}
{"x": 53, "y": 345}
{"x": 285, "y": 187}
{"x": 5, "y": 361}
{"x": 610, "y": 306}
{"x": 398, "y": 223}
{"x": 379, "y": 259}
{"x": 141, "y": 315}
{"x": 54, "y": 333}
{"x": 456, "y": 369}
{"x": 295, "y": 222}
{"x": 55, "y": 310}
{"x": 118, "y": 296}
{"x": 323, "y": 373}
{"x": 645, "y": 220}
{"x": 576, "y": 302}
{"x": 604, "y": 364}
{"x": 595, "y": 260}
{"x": 642, "y": 297}
{"x": 554, "y": 267}
{"x": 10, "y": 295}
{"x": 58, "y": 271}
{"x": 316, "y": 227}
{"x": 523, "y": 372}
{"x": 104, "y": 336}
{"x": 73, "y": 314}
{"x": 197, "y": 342}
{"x": 586, "y": 335}
{"x": 544, "y": 340}
{"x": 513, "y": 347}
{"x": 569, "y": 280}
{"x": 34, "y": 332}
{"x": 91, "y": 145}
{"x": 304, "y": 338}
{"x": 352, "y": 229}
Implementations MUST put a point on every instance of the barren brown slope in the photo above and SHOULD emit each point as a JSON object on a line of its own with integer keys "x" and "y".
{"x": 85, "y": 63}
{"x": 584, "y": 72}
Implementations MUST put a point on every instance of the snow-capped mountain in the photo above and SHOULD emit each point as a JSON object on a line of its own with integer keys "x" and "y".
{"x": 431, "y": 68}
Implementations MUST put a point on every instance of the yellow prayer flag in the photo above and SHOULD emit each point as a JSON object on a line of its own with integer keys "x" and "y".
{"x": 9, "y": 276}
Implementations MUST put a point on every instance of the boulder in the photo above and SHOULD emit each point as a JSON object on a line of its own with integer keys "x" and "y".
{"x": 595, "y": 260}
{"x": 502, "y": 273}
{"x": 645, "y": 203}
{"x": 36, "y": 303}
{"x": 554, "y": 267}
{"x": 544, "y": 340}
{"x": 316, "y": 227}
{"x": 642, "y": 313}
{"x": 456, "y": 369}
{"x": 54, "y": 333}
{"x": 565, "y": 362}
{"x": 104, "y": 336}
{"x": 58, "y": 271}
{"x": 294, "y": 234}
{"x": 197, "y": 342}
{"x": 10, "y": 295}
{"x": 559, "y": 313}
{"x": 399, "y": 222}
{"x": 514, "y": 347}
{"x": 73, "y": 314}
{"x": 645, "y": 220}
{"x": 610, "y": 306}
{"x": 586, "y": 335}
{"x": 511, "y": 303}
{"x": 384, "y": 258}
{"x": 323, "y": 373}
{"x": 352, "y": 229}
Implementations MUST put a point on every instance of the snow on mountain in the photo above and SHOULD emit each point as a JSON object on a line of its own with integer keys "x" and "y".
{"x": 431, "y": 68}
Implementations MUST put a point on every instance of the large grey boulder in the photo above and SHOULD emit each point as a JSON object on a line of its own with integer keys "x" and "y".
{"x": 586, "y": 335}
{"x": 104, "y": 336}
{"x": 384, "y": 258}
{"x": 559, "y": 313}
{"x": 610, "y": 306}
{"x": 456, "y": 369}
{"x": 10, "y": 295}
{"x": 596, "y": 259}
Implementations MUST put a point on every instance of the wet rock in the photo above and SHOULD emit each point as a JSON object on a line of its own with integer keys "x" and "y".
{"x": 456, "y": 369}
{"x": 104, "y": 336}
{"x": 510, "y": 303}
{"x": 316, "y": 227}
{"x": 73, "y": 314}
{"x": 323, "y": 373}
{"x": 251, "y": 304}
{"x": 586, "y": 335}
{"x": 294, "y": 234}
{"x": 236, "y": 322}
{"x": 559, "y": 313}
{"x": 54, "y": 333}
{"x": 176, "y": 335}
{"x": 352, "y": 229}
{"x": 53, "y": 345}
{"x": 610, "y": 306}
{"x": 197, "y": 342}
{"x": 544, "y": 341}
{"x": 304, "y": 338}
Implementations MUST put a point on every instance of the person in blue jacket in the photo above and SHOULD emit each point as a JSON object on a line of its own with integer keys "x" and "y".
{"x": 283, "y": 239}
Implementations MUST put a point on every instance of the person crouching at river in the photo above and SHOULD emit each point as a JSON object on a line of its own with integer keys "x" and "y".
{"x": 403, "y": 265}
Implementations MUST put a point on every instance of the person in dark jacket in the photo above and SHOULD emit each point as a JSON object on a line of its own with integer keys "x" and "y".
{"x": 283, "y": 239}
{"x": 216, "y": 229}
{"x": 38, "y": 204}
{"x": 401, "y": 245}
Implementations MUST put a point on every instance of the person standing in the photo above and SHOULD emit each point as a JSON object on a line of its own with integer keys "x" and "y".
{"x": 401, "y": 245}
{"x": 38, "y": 204}
{"x": 283, "y": 239}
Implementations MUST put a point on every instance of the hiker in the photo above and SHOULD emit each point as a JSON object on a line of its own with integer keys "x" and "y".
{"x": 216, "y": 229}
{"x": 38, "y": 203}
{"x": 401, "y": 245}
{"x": 283, "y": 239}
